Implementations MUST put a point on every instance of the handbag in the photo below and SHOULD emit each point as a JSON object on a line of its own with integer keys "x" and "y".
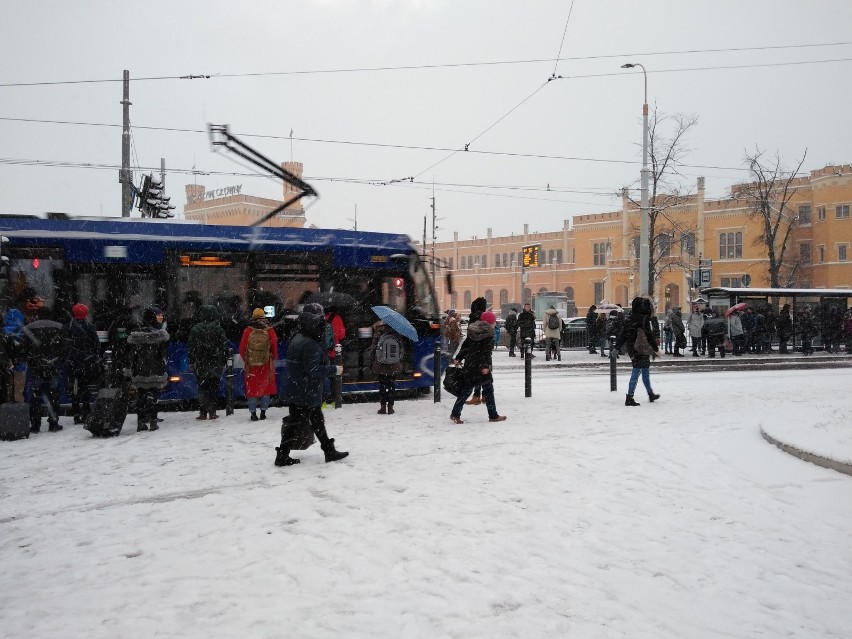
{"x": 454, "y": 380}
{"x": 729, "y": 345}
{"x": 641, "y": 345}
{"x": 296, "y": 435}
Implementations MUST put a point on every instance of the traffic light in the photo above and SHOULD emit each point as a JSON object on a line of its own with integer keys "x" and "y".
{"x": 152, "y": 200}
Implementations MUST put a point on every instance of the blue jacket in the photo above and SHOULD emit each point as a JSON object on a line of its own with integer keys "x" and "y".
{"x": 307, "y": 370}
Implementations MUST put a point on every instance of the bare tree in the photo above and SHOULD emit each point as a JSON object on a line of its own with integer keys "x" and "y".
{"x": 769, "y": 195}
{"x": 666, "y": 149}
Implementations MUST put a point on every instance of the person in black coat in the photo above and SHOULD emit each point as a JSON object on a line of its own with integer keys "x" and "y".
{"x": 591, "y": 328}
{"x": 475, "y": 352}
{"x": 208, "y": 355}
{"x": 307, "y": 369}
{"x": 639, "y": 320}
{"x": 526, "y": 327}
{"x": 47, "y": 349}
{"x": 477, "y": 308}
{"x": 512, "y": 329}
{"x": 715, "y": 327}
{"x": 84, "y": 362}
{"x": 148, "y": 347}
{"x": 784, "y": 326}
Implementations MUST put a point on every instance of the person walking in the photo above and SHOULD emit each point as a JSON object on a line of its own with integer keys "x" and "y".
{"x": 477, "y": 308}
{"x": 47, "y": 349}
{"x": 452, "y": 331}
{"x": 307, "y": 369}
{"x": 259, "y": 350}
{"x": 640, "y": 349}
{"x": 84, "y": 362}
{"x": 387, "y": 348}
{"x": 208, "y": 356}
{"x": 784, "y": 326}
{"x": 591, "y": 326}
{"x": 679, "y": 332}
{"x": 148, "y": 346}
{"x": 526, "y": 328}
{"x": 695, "y": 322}
{"x": 552, "y": 334}
{"x": 511, "y": 327}
{"x": 475, "y": 352}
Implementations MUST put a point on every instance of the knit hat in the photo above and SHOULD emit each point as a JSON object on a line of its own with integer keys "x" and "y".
{"x": 489, "y": 318}
{"x": 258, "y": 312}
{"x": 80, "y": 311}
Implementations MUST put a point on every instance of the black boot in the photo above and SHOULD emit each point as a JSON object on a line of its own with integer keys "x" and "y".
{"x": 383, "y": 409}
{"x": 331, "y": 453}
{"x": 390, "y": 408}
{"x": 653, "y": 397}
{"x": 282, "y": 458}
{"x": 630, "y": 401}
{"x": 263, "y": 414}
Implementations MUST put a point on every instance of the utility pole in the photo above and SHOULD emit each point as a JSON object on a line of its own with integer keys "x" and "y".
{"x": 434, "y": 228}
{"x": 126, "y": 178}
{"x": 424, "y": 236}
{"x": 163, "y": 173}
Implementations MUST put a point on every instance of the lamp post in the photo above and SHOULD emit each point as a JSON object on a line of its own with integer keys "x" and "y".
{"x": 644, "y": 252}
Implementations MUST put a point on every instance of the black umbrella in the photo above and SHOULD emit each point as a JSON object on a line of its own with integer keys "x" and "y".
{"x": 333, "y": 298}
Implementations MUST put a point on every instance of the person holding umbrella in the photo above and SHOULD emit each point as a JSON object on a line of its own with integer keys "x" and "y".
{"x": 387, "y": 349}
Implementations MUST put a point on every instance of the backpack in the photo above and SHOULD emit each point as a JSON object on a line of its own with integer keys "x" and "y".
{"x": 258, "y": 351}
{"x": 553, "y": 321}
{"x": 388, "y": 349}
{"x": 512, "y": 323}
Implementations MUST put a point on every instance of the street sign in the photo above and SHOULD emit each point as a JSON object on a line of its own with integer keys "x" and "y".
{"x": 705, "y": 263}
{"x": 531, "y": 255}
{"x": 705, "y": 277}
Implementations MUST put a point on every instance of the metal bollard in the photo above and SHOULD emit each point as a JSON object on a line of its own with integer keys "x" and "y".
{"x": 436, "y": 372}
{"x": 613, "y": 358}
{"x": 338, "y": 379}
{"x": 527, "y": 367}
{"x": 229, "y": 384}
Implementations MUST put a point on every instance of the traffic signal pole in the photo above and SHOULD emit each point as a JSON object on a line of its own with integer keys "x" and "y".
{"x": 125, "y": 177}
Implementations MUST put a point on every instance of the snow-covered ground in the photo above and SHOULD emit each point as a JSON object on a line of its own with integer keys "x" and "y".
{"x": 577, "y": 517}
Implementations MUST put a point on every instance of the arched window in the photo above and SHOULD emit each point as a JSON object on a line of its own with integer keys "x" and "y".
{"x": 489, "y": 297}
{"x": 451, "y": 264}
{"x": 506, "y": 261}
{"x": 559, "y": 256}
{"x": 484, "y": 261}
{"x": 527, "y": 295}
{"x": 687, "y": 244}
{"x": 550, "y": 255}
{"x": 467, "y": 299}
{"x": 463, "y": 261}
{"x": 504, "y": 297}
{"x": 497, "y": 260}
{"x": 569, "y": 292}
{"x": 454, "y": 300}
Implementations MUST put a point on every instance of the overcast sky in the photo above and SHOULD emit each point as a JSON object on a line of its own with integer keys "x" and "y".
{"x": 357, "y": 130}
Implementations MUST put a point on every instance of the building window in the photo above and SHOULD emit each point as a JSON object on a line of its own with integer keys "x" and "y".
{"x": 841, "y": 212}
{"x": 841, "y": 253}
{"x": 687, "y": 244}
{"x": 504, "y": 297}
{"x": 463, "y": 260}
{"x": 497, "y": 261}
{"x": 527, "y": 296}
{"x": 559, "y": 256}
{"x": 804, "y": 214}
{"x": 805, "y": 253}
{"x": 550, "y": 255}
{"x": 636, "y": 246}
{"x": 599, "y": 292}
{"x": 732, "y": 282}
{"x": 730, "y": 245}
{"x": 484, "y": 261}
{"x": 664, "y": 245}
{"x": 599, "y": 253}
{"x": 569, "y": 292}
{"x": 451, "y": 264}
{"x": 505, "y": 260}
{"x": 821, "y": 254}
{"x": 573, "y": 256}
{"x": 821, "y": 214}
{"x": 489, "y": 297}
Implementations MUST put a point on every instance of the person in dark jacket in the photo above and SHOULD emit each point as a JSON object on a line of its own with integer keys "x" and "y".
{"x": 475, "y": 352}
{"x": 679, "y": 331}
{"x": 807, "y": 330}
{"x": 512, "y": 330}
{"x": 591, "y": 328}
{"x": 148, "y": 347}
{"x": 526, "y": 327}
{"x": 307, "y": 369}
{"x": 84, "y": 362}
{"x": 208, "y": 355}
{"x": 784, "y": 326}
{"x": 385, "y": 372}
{"x": 639, "y": 320}
{"x": 477, "y": 308}
{"x": 715, "y": 327}
{"x": 47, "y": 349}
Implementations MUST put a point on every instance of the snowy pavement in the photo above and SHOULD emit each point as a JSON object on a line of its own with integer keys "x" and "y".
{"x": 576, "y": 517}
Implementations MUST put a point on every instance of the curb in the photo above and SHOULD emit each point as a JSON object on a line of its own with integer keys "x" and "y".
{"x": 825, "y": 462}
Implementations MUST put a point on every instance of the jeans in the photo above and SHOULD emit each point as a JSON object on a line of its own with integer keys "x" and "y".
{"x": 254, "y": 401}
{"x": 487, "y": 393}
{"x": 634, "y": 378}
{"x": 669, "y": 339}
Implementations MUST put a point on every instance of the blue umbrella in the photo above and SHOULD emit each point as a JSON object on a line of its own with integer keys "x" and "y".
{"x": 396, "y": 321}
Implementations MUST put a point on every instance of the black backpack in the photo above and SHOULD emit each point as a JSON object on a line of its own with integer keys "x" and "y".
{"x": 553, "y": 321}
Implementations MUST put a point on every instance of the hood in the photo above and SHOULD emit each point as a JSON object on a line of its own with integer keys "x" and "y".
{"x": 208, "y": 313}
{"x": 637, "y": 306}
{"x": 551, "y": 311}
{"x": 311, "y": 323}
{"x": 479, "y": 331}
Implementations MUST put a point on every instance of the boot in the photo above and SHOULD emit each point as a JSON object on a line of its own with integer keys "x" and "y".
{"x": 153, "y": 425}
{"x": 263, "y": 414}
{"x": 54, "y": 427}
{"x": 390, "y": 408}
{"x": 652, "y": 397}
{"x": 383, "y": 409}
{"x": 331, "y": 453}
{"x": 253, "y": 416}
{"x": 474, "y": 401}
{"x": 140, "y": 426}
{"x": 282, "y": 457}
{"x": 630, "y": 401}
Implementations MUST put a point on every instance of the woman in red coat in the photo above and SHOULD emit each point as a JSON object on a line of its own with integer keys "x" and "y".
{"x": 259, "y": 350}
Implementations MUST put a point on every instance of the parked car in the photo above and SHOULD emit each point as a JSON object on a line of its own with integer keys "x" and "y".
{"x": 574, "y": 333}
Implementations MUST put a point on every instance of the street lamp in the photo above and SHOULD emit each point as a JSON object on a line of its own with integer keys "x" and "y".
{"x": 644, "y": 252}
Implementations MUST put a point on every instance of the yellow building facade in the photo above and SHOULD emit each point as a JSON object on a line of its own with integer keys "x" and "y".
{"x": 595, "y": 259}
{"x": 229, "y": 206}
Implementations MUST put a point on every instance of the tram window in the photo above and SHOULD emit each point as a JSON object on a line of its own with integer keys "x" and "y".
{"x": 216, "y": 279}
{"x": 36, "y": 272}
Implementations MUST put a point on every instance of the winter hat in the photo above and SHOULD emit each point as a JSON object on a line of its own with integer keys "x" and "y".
{"x": 257, "y": 313}
{"x": 149, "y": 318}
{"x": 451, "y": 313}
{"x": 314, "y": 308}
{"x": 489, "y": 318}
{"x": 157, "y": 310}
{"x": 312, "y": 320}
{"x": 80, "y": 311}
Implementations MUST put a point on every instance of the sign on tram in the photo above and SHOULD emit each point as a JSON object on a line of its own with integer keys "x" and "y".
{"x": 531, "y": 255}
